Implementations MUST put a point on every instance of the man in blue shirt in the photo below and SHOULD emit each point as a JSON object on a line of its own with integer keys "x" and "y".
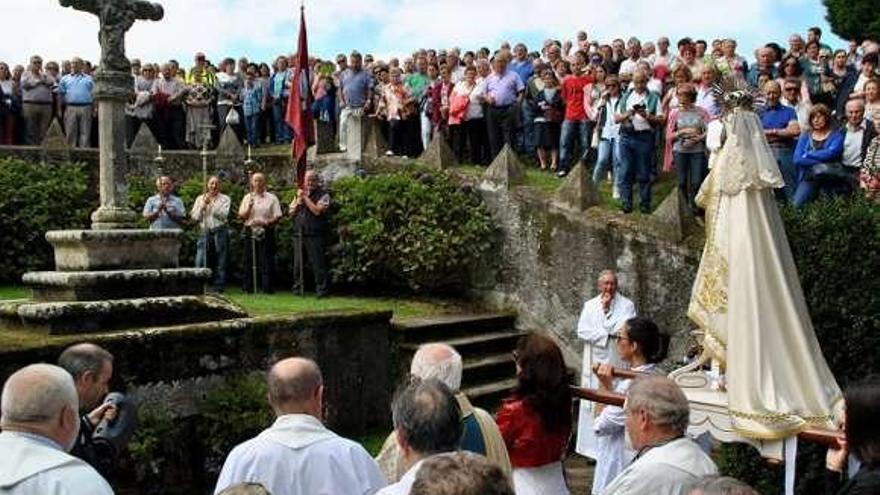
{"x": 780, "y": 123}
{"x": 356, "y": 93}
{"x": 75, "y": 90}
{"x": 164, "y": 210}
{"x": 522, "y": 65}
{"x": 502, "y": 93}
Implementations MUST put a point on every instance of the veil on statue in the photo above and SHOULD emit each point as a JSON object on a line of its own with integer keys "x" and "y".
{"x": 747, "y": 299}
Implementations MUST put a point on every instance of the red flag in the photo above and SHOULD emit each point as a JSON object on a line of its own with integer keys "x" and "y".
{"x": 299, "y": 105}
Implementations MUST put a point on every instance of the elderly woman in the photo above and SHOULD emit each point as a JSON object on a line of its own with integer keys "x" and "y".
{"x": 686, "y": 138}
{"x": 260, "y": 211}
{"x": 198, "y": 110}
{"x": 398, "y": 105}
{"x": 869, "y": 175}
{"x": 862, "y": 441}
{"x": 817, "y": 159}
{"x": 549, "y": 112}
{"x": 535, "y": 421}
{"x": 729, "y": 63}
{"x": 9, "y": 106}
{"x": 642, "y": 346}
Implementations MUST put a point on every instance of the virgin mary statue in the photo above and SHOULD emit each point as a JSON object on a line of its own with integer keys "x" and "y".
{"x": 747, "y": 298}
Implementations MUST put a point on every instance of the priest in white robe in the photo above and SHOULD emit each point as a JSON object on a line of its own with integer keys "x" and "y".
{"x": 601, "y": 318}
{"x": 40, "y": 423}
{"x": 298, "y": 455}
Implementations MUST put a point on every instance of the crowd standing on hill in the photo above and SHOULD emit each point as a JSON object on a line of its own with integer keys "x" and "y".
{"x": 631, "y": 109}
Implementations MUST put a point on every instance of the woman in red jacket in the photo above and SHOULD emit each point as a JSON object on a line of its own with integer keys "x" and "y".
{"x": 535, "y": 421}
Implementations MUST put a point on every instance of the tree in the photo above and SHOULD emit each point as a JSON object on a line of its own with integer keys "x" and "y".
{"x": 854, "y": 19}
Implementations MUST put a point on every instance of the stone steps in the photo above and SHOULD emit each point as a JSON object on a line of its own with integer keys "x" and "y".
{"x": 485, "y": 342}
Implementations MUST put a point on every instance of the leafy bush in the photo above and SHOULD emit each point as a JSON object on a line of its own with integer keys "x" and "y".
{"x": 415, "y": 230}
{"x": 836, "y": 246}
{"x": 35, "y": 198}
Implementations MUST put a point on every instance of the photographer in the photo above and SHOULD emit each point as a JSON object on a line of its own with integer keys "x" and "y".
{"x": 91, "y": 368}
{"x": 638, "y": 114}
{"x": 164, "y": 210}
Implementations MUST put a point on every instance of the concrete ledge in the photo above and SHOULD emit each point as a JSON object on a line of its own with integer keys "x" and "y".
{"x": 116, "y": 284}
{"x": 96, "y": 316}
{"x": 133, "y": 249}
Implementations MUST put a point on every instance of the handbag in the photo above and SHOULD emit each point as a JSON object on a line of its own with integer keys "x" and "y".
{"x": 232, "y": 117}
{"x": 829, "y": 172}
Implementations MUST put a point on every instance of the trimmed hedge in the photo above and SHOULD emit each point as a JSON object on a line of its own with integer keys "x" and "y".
{"x": 418, "y": 230}
{"x": 35, "y": 198}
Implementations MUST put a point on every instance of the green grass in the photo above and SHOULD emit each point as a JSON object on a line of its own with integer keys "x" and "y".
{"x": 13, "y": 292}
{"x": 547, "y": 182}
{"x": 372, "y": 442}
{"x": 287, "y": 302}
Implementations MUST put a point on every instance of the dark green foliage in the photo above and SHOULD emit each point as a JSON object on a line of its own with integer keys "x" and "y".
{"x": 232, "y": 414}
{"x": 854, "y": 19}
{"x": 836, "y": 246}
{"x": 419, "y": 231}
{"x": 35, "y": 198}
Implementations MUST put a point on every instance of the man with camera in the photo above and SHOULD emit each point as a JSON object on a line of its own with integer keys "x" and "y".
{"x": 638, "y": 114}
{"x": 164, "y": 210}
{"x": 91, "y": 368}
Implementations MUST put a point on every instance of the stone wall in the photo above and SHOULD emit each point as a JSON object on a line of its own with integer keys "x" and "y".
{"x": 546, "y": 261}
{"x": 178, "y": 164}
{"x": 353, "y": 349}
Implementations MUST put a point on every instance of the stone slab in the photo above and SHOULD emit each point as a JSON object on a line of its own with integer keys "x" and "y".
{"x": 675, "y": 217}
{"x": 506, "y": 169}
{"x": 577, "y": 191}
{"x": 133, "y": 249}
{"x": 59, "y": 318}
{"x": 116, "y": 284}
{"x": 439, "y": 155}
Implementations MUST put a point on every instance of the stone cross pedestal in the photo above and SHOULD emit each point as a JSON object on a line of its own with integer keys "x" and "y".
{"x": 115, "y": 276}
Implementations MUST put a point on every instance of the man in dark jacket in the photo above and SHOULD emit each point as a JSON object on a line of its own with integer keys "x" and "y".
{"x": 309, "y": 212}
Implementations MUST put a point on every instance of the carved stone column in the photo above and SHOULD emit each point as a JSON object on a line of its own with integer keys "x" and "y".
{"x": 111, "y": 93}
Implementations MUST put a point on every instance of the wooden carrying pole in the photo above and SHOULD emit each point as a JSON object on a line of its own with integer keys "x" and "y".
{"x": 824, "y": 437}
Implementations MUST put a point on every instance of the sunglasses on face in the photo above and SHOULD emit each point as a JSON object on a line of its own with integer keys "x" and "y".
{"x": 790, "y": 89}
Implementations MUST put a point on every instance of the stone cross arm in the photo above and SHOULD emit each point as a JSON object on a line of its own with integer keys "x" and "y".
{"x": 115, "y": 18}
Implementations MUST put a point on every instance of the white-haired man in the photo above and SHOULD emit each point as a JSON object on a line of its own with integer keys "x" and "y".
{"x": 40, "y": 424}
{"x": 298, "y": 455}
{"x": 481, "y": 434}
{"x": 601, "y": 318}
{"x": 667, "y": 462}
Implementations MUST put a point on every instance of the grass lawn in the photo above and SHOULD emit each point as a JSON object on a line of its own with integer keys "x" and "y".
{"x": 13, "y": 292}
{"x": 547, "y": 182}
{"x": 286, "y": 302}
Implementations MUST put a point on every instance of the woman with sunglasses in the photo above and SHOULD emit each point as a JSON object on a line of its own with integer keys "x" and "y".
{"x": 642, "y": 346}
{"x": 791, "y": 67}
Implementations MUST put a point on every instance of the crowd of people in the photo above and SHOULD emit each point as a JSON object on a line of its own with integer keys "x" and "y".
{"x": 619, "y": 106}
{"x": 441, "y": 444}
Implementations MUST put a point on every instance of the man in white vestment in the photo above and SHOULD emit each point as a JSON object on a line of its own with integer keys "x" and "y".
{"x": 427, "y": 422}
{"x": 298, "y": 455}
{"x": 602, "y": 317}
{"x": 481, "y": 434}
{"x": 667, "y": 462}
{"x": 40, "y": 424}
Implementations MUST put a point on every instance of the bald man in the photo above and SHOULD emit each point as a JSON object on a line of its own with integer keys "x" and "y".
{"x": 40, "y": 424}
{"x": 298, "y": 455}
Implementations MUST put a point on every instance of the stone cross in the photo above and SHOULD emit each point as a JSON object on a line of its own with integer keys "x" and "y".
{"x": 113, "y": 85}
{"x": 116, "y": 17}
